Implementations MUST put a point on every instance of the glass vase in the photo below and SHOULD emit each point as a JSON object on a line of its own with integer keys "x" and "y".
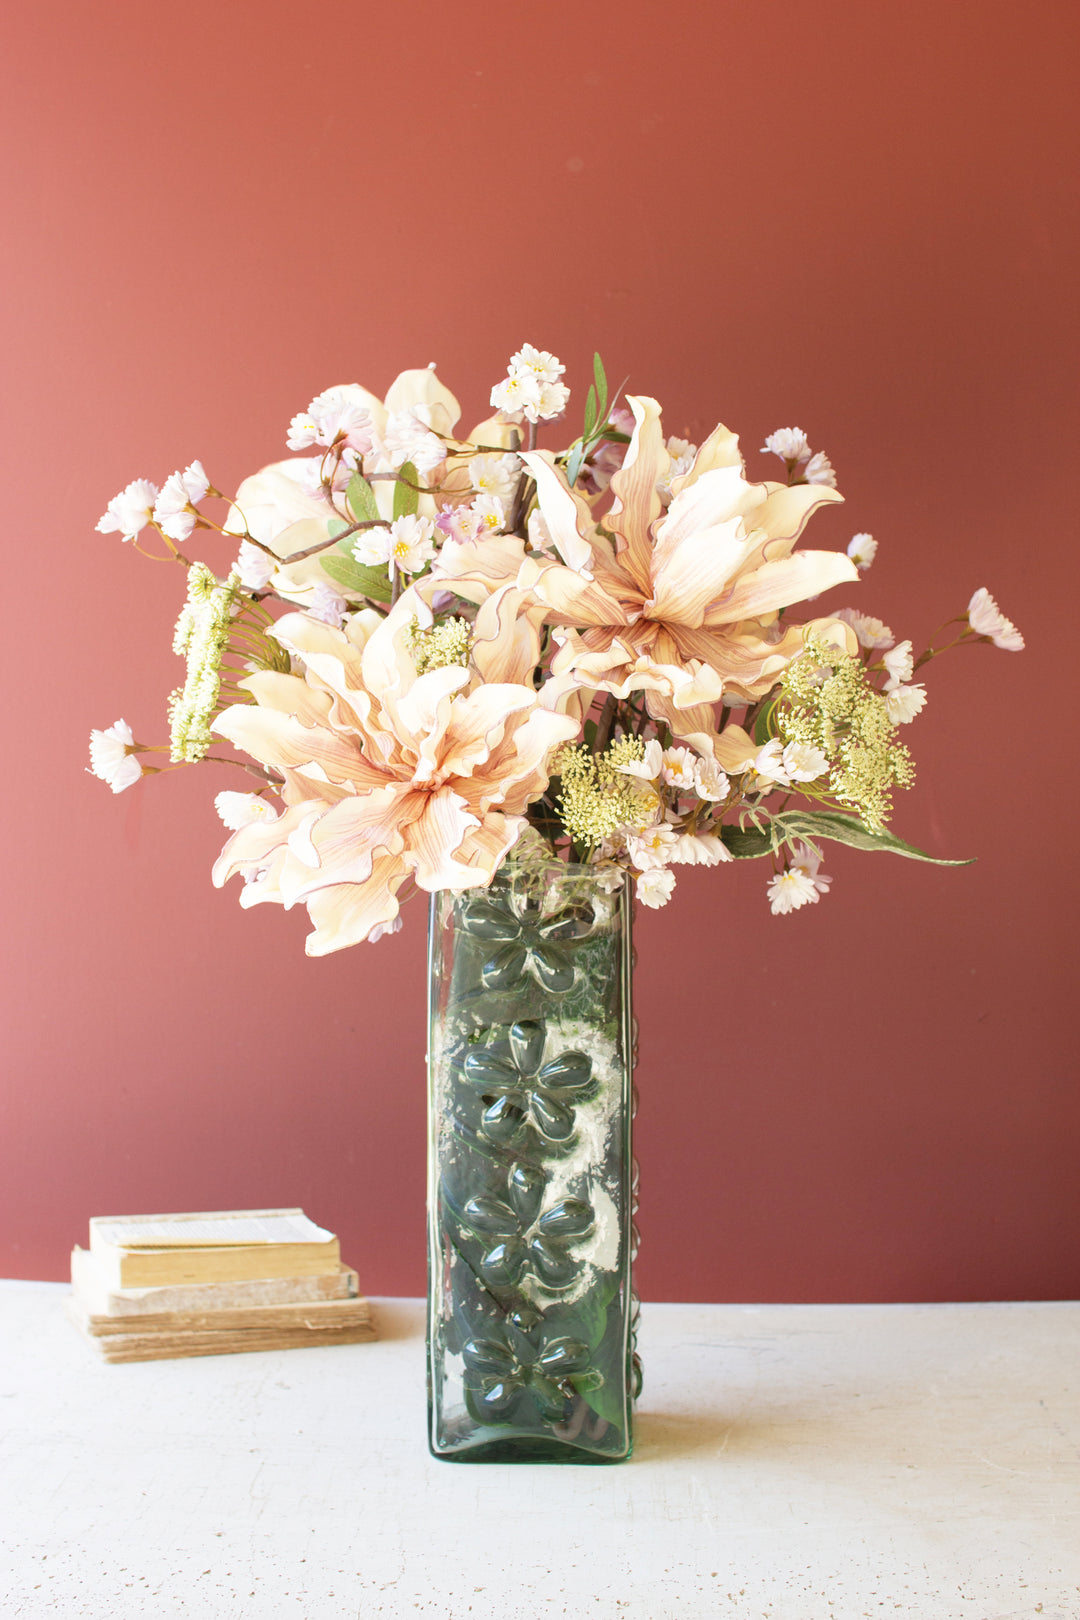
{"x": 531, "y": 1181}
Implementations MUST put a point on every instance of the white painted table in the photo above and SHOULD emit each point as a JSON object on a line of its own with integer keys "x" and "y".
{"x": 793, "y": 1462}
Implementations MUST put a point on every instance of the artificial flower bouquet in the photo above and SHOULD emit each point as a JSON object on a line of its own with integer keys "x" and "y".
{"x": 427, "y": 649}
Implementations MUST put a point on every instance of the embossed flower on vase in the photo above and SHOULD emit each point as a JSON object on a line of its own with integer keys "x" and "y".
{"x": 527, "y": 938}
{"x": 525, "y": 1089}
{"x": 527, "y": 1355}
{"x": 531, "y": 1238}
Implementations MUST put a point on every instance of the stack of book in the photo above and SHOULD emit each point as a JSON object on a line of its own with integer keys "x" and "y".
{"x": 156, "y": 1286}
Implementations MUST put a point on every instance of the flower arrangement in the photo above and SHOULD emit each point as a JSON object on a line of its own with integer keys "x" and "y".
{"x": 433, "y": 650}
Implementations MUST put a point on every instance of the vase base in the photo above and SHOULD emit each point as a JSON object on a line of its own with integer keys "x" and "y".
{"x": 528, "y": 1449}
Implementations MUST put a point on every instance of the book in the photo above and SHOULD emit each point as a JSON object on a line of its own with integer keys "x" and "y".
{"x": 234, "y": 1280}
{"x": 315, "y": 1315}
{"x": 138, "y": 1251}
{"x": 166, "y": 1344}
{"x": 91, "y": 1285}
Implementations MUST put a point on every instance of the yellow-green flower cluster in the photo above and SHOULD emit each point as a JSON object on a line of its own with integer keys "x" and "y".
{"x": 828, "y": 701}
{"x": 217, "y": 618}
{"x": 441, "y": 646}
{"x": 596, "y": 799}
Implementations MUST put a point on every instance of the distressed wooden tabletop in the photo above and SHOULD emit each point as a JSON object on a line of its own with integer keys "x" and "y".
{"x": 793, "y": 1462}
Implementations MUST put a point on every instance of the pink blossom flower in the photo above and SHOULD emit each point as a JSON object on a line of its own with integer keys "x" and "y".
{"x": 129, "y": 512}
{"x": 819, "y": 470}
{"x": 175, "y": 512}
{"x": 870, "y": 632}
{"x": 987, "y": 619}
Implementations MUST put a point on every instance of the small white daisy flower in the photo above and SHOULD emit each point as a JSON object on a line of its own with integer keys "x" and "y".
{"x": 710, "y": 782}
{"x": 804, "y": 763}
{"x": 904, "y": 703}
{"x": 700, "y": 849}
{"x": 649, "y": 768}
{"x": 406, "y": 545}
{"x": 651, "y": 846}
{"x": 790, "y": 890}
{"x": 862, "y": 549}
{"x": 677, "y": 769}
{"x": 819, "y": 470}
{"x": 899, "y": 664}
{"x": 129, "y": 512}
{"x": 112, "y": 756}
{"x": 241, "y": 809}
{"x": 654, "y": 887}
{"x": 790, "y": 444}
{"x": 495, "y": 475}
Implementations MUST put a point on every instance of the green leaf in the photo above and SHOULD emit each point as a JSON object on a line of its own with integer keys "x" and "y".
{"x": 748, "y": 845}
{"x": 357, "y": 579}
{"x": 844, "y": 829}
{"x": 590, "y": 414}
{"x": 361, "y": 499}
{"x": 573, "y": 463}
{"x": 336, "y": 526}
{"x": 762, "y": 733}
{"x": 600, "y": 377}
{"x": 406, "y": 499}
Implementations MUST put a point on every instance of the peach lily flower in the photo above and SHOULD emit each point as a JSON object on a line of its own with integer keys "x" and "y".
{"x": 389, "y": 774}
{"x": 681, "y": 604}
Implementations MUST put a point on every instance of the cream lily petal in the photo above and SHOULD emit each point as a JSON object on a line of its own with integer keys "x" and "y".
{"x": 569, "y": 595}
{"x": 692, "y": 571}
{"x": 252, "y": 845}
{"x": 299, "y": 840}
{"x": 519, "y": 771}
{"x": 484, "y": 847}
{"x": 568, "y": 516}
{"x": 280, "y": 514}
{"x": 424, "y": 712}
{"x": 288, "y": 694}
{"x": 473, "y": 569}
{"x": 332, "y": 655}
{"x": 271, "y": 501}
{"x": 278, "y": 740}
{"x": 721, "y": 449}
{"x": 476, "y": 726}
{"x": 437, "y": 835}
{"x": 345, "y": 838}
{"x": 637, "y": 504}
{"x": 506, "y": 637}
{"x": 776, "y": 585}
{"x": 386, "y": 665}
{"x": 785, "y": 511}
{"x": 345, "y": 914}
{"x": 422, "y": 387}
{"x": 495, "y": 434}
{"x": 735, "y": 749}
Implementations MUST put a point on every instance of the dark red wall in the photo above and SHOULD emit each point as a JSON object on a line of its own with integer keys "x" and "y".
{"x": 853, "y": 216}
